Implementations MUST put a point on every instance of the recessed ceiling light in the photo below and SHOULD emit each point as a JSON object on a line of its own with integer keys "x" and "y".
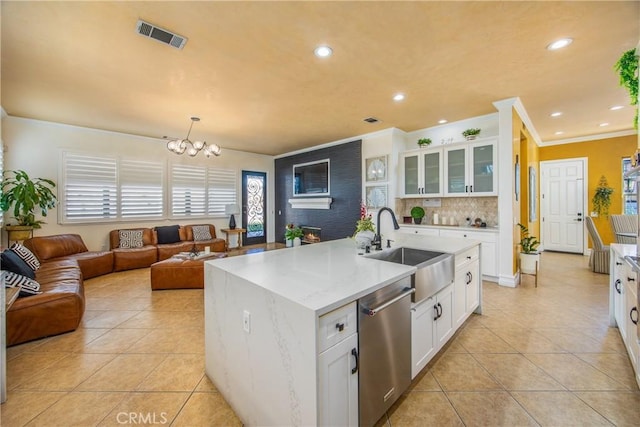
{"x": 559, "y": 44}
{"x": 616, "y": 107}
{"x": 556, "y": 114}
{"x": 604, "y": 124}
{"x": 559, "y": 132}
{"x": 442, "y": 121}
{"x": 323, "y": 51}
{"x": 398, "y": 97}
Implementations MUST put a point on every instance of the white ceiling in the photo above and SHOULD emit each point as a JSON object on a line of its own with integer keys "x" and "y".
{"x": 249, "y": 72}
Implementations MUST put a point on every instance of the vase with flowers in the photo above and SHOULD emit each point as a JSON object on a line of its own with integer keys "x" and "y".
{"x": 365, "y": 229}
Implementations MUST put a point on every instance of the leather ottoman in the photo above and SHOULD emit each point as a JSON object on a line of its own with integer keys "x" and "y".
{"x": 179, "y": 272}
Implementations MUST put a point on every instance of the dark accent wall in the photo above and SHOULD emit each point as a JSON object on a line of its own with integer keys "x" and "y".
{"x": 345, "y": 186}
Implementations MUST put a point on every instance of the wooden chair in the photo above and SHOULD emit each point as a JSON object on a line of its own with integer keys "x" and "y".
{"x": 599, "y": 259}
{"x": 624, "y": 224}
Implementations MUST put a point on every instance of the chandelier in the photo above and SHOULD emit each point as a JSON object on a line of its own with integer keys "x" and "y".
{"x": 192, "y": 148}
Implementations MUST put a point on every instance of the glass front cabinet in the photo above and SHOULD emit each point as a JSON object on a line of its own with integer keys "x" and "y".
{"x": 422, "y": 173}
{"x": 470, "y": 169}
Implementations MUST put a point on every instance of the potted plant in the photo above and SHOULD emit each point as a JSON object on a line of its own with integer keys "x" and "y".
{"x": 424, "y": 142}
{"x": 25, "y": 195}
{"x": 417, "y": 213}
{"x": 627, "y": 68}
{"x": 471, "y": 133}
{"x": 529, "y": 255}
{"x": 293, "y": 235}
{"x": 602, "y": 198}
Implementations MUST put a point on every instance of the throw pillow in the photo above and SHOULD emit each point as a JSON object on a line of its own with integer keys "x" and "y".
{"x": 168, "y": 234}
{"x": 12, "y": 262}
{"x": 26, "y": 255}
{"x": 201, "y": 232}
{"x": 130, "y": 239}
{"x": 27, "y": 286}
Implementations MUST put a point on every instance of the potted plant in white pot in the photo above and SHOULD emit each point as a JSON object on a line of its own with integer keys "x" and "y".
{"x": 529, "y": 255}
{"x": 26, "y": 195}
{"x": 293, "y": 235}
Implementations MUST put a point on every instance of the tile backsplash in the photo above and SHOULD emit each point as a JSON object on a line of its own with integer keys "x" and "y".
{"x": 458, "y": 208}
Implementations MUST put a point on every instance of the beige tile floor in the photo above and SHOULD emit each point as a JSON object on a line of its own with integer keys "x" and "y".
{"x": 537, "y": 356}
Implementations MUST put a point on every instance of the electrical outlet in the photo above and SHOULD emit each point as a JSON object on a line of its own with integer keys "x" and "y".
{"x": 246, "y": 321}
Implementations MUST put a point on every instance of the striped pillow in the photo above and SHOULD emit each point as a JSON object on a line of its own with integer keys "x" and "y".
{"x": 27, "y": 286}
{"x": 26, "y": 255}
{"x": 201, "y": 232}
{"x": 130, "y": 239}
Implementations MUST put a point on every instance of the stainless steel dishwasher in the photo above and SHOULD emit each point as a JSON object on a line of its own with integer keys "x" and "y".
{"x": 384, "y": 339}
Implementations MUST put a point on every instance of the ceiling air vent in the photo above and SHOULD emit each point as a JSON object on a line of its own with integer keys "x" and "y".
{"x": 164, "y": 36}
{"x": 371, "y": 120}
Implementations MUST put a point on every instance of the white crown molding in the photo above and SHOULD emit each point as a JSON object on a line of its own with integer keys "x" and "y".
{"x": 517, "y": 105}
{"x": 340, "y": 141}
{"x": 589, "y": 138}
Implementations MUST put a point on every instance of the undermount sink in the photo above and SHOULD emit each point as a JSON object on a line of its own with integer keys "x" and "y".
{"x": 407, "y": 256}
{"x": 435, "y": 269}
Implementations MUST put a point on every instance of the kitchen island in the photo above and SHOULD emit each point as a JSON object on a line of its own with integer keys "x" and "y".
{"x": 272, "y": 318}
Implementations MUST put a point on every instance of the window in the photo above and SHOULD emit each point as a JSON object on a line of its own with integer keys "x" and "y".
{"x": 90, "y": 188}
{"x": 141, "y": 189}
{"x": 103, "y": 189}
{"x": 629, "y": 198}
{"x": 200, "y": 191}
{"x": 188, "y": 194}
{"x": 221, "y": 190}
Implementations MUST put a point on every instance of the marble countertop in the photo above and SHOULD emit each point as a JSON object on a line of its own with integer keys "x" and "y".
{"x": 324, "y": 276}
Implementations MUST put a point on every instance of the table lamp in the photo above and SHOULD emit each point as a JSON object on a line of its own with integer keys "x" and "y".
{"x": 232, "y": 209}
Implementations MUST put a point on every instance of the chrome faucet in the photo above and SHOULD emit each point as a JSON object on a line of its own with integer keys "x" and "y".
{"x": 377, "y": 238}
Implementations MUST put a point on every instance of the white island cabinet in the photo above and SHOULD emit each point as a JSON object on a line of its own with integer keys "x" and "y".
{"x": 623, "y": 302}
{"x": 281, "y": 338}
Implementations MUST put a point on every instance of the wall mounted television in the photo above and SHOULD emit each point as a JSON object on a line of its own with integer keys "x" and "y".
{"x": 311, "y": 179}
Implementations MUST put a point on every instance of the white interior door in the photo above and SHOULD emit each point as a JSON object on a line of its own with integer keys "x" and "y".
{"x": 562, "y": 205}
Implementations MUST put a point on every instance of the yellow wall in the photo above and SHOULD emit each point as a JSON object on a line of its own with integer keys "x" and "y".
{"x": 527, "y": 152}
{"x": 605, "y": 158}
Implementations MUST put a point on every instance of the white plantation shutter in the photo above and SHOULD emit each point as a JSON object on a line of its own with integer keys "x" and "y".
{"x": 221, "y": 190}
{"x": 188, "y": 191}
{"x": 109, "y": 189}
{"x": 141, "y": 189}
{"x": 90, "y": 187}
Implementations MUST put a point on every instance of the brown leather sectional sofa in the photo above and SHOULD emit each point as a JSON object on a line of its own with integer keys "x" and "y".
{"x": 152, "y": 251}
{"x": 66, "y": 261}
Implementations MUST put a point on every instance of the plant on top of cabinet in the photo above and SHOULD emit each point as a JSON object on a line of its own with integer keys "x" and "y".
{"x": 471, "y": 133}
{"x": 602, "y": 198}
{"x": 424, "y": 142}
{"x": 417, "y": 213}
{"x": 627, "y": 68}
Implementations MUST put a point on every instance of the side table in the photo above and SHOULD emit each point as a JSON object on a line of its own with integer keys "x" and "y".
{"x": 237, "y": 231}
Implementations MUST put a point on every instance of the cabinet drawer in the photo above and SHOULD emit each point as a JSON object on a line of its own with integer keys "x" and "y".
{"x": 467, "y": 256}
{"x": 337, "y": 325}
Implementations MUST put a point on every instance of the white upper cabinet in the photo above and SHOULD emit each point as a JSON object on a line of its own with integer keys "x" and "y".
{"x": 470, "y": 169}
{"x": 422, "y": 173}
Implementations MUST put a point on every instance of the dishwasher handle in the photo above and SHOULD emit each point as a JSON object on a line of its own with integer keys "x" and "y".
{"x": 373, "y": 311}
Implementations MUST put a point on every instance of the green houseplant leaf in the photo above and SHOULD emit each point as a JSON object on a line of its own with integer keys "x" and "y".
{"x": 602, "y": 197}
{"x": 26, "y": 195}
{"x": 528, "y": 243}
{"x": 627, "y": 68}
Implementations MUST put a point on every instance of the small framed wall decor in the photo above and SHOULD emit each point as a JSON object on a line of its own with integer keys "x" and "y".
{"x": 376, "y": 196}
{"x": 376, "y": 169}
